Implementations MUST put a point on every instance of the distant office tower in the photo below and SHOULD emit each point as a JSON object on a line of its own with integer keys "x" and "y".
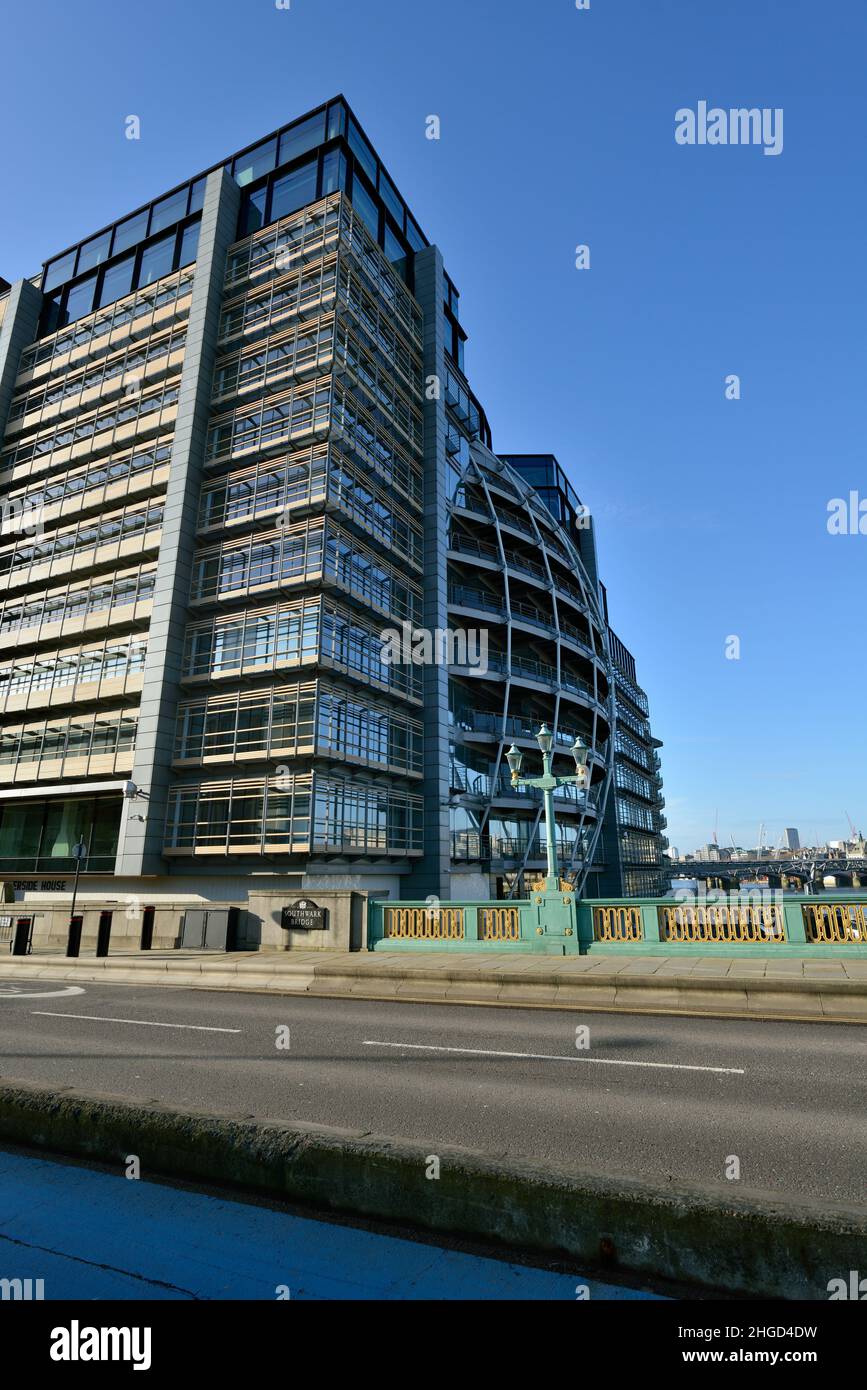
{"x": 239, "y": 448}
{"x": 793, "y": 839}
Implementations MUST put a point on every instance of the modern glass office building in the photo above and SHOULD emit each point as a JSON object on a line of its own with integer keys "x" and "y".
{"x": 240, "y": 456}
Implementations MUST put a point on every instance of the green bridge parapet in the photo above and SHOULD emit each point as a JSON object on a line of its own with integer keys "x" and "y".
{"x": 554, "y": 923}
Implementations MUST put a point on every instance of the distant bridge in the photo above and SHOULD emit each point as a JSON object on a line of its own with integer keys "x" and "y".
{"x": 803, "y": 873}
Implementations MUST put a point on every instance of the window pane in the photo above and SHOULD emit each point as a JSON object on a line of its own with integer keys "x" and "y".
{"x": 294, "y": 191}
{"x": 413, "y": 235}
{"x": 197, "y": 196}
{"x": 127, "y": 233}
{"x": 157, "y": 260}
{"x": 250, "y": 166}
{"x": 389, "y": 195}
{"x": 59, "y": 270}
{"x": 94, "y": 252}
{"x": 169, "y": 211}
{"x": 302, "y": 137}
{"x": 362, "y": 151}
{"x": 365, "y": 206}
{"x": 117, "y": 281}
{"x": 252, "y": 215}
{"x": 336, "y": 120}
{"x": 333, "y": 172}
{"x": 395, "y": 251}
{"x": 79, "y": 299}
{"x": 189, "y": 244}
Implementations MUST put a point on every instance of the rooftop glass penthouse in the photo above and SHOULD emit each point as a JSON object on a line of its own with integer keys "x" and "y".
{"x": 239, "y": 446}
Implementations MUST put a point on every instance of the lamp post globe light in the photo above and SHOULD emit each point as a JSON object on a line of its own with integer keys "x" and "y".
{"x": 548, "y": 784}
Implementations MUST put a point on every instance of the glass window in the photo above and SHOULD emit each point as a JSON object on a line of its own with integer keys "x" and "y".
{"x": 59, "y": 270}
{"x": 250, "y": 166}
{"x": 333, "y": 172}
{"x": 395, "y": 250}
{"x": 79, "y": 299}
{"x": 413, "y": 235}
{"x": 362, "y": 151}
{"x": 157, "y": 260}
{"x": 391, "y": 198}
{"x": 302, "y": 137}
{"x": 252, "y": 214}
{"x": 49, "y": 319}
{"x": 169, "y": 210}
{"x": 127, "y": 233}
{"x": 197, "y": 195}
{"x": 294, "y": 191}
{"x": 365, "y": 205}
{"x": 116, "y": 281}
{"x": 189, "y": 243}
{"x": 94, "y": 252}
{"x": 336, "y": 120}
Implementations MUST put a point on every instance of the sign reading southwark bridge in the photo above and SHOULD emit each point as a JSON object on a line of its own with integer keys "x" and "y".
{"x": 304, "y": 916}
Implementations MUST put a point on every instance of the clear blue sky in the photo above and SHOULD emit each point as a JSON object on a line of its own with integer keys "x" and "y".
{"x": 558, "y": 128}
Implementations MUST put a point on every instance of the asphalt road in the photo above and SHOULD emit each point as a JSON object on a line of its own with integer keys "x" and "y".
{"x": 655, "y": 1098}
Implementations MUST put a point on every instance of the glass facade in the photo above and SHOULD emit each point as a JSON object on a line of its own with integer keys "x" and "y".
{"x": 311, "y": 537}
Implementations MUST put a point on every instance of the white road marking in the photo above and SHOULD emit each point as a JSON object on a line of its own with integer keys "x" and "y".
{"x": 140, "y": 1022}
{"x": 552, "y": 1057}
{"x": 16, "y": 992}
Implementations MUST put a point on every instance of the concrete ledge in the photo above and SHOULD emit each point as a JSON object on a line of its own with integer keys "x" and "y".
{"x": 737, "y": 989}
{"x": 747, "y": 1243}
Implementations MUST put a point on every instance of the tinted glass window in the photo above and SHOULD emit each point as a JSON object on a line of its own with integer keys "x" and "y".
{"x": 333, "y": 172}
{"x": 413, "y": 235}
{"x": 189, "y": 244}
{"x": 336, "y": 120}
{"x": 59, "y": 270}
{"x": 389, "y": 196}
{"x": 364, "y": 204}
{"x": 197, "y": 196}
{"x": 362, "y": 151}
{"x": 94, "y": 252}
{"x": 157, "y": 260}
{"x": 79, "y": 299}
{"x": 169, "y": 210}
{"x": 294, "y": 191}
{"x": 252, "y": 215}
{"x": 49, "y": 319}
{"x": 302, "y": 137}
{"x": 250, "y": 166}
{"x": 394, "y": 249}
{"x": 127, "y": 233}
{"x": 117, "y": 281}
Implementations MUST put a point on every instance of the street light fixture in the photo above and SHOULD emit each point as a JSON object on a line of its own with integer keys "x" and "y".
{"x": 548, "y": 784}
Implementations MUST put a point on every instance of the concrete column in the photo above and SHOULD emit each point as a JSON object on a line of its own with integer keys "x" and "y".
{"x": 431, "y": 875}
{"x": 17, "y": 331}
{"x": 141, "y": 840}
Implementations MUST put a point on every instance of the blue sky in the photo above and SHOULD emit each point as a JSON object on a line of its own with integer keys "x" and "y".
{"x": 558, "y": 129}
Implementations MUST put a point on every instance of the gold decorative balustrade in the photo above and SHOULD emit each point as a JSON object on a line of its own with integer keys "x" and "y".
{"x": 499, "y": 924}
{"x": 618, "y": 924}
{"x": 722, "y": 922}
{"x": 838, "y": 924}
{"x": 423, "y": 923}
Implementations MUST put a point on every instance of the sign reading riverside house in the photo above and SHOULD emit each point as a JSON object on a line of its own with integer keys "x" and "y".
{"x": 304, "y": 916}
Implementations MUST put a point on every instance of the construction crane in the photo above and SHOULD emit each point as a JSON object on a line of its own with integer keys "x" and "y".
{"x": 853, "y": 833}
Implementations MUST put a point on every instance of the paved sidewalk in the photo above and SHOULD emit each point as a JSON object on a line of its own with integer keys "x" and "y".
{"x": 831, "y": 990}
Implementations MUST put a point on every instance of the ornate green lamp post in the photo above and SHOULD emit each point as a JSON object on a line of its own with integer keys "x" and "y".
{"x": 548, "y": 784}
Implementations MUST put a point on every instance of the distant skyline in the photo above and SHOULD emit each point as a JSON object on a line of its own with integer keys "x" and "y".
{"x": 706, "y": 262}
